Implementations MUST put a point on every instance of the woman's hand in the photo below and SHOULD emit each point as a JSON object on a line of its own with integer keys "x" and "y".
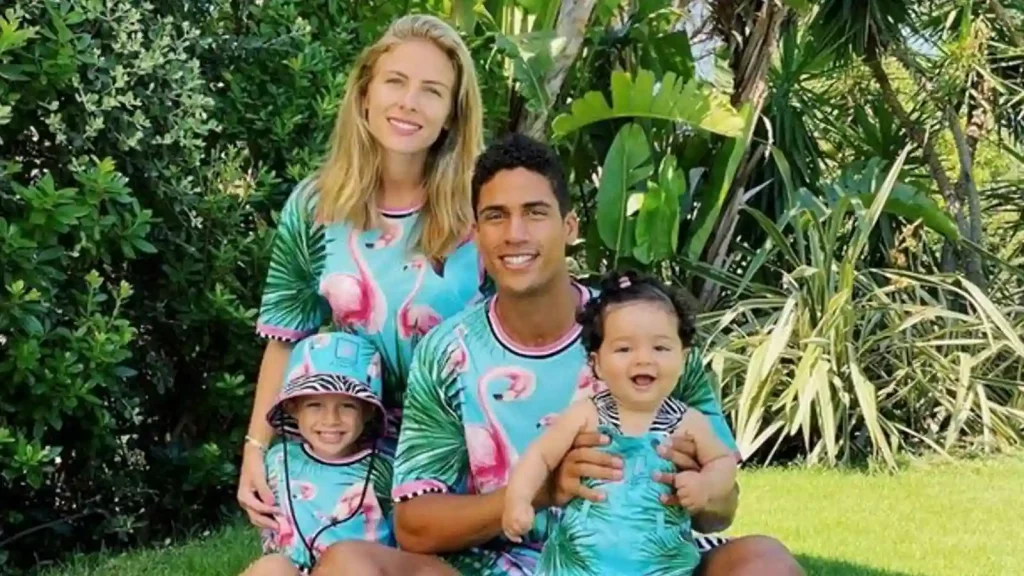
{"x": 254, "y": 495}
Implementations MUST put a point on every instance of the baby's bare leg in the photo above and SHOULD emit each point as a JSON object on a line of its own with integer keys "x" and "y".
{"x": 358, "y": 558}
{"x": 271, "y": 565}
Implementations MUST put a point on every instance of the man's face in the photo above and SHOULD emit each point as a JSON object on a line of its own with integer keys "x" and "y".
{"x": 520, "y": 232}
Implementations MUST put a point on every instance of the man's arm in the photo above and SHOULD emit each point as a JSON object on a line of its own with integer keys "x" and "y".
{"x": 433, "y": 514}
{"x": 696, "y": 390}
{"x": 439, "y": 523}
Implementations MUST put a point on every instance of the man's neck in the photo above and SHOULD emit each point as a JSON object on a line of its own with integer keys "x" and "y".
{"x": 541, "y": 319}
{"x": 402, "y": 180}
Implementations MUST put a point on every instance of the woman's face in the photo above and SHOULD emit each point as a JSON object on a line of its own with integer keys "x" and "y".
{"x": 409, "y": 99}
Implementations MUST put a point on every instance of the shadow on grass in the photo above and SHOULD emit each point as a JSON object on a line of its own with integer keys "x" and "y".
{"x": 817, "y": 566}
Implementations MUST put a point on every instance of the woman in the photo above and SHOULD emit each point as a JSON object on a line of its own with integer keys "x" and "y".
{"x": 377, "y": 241}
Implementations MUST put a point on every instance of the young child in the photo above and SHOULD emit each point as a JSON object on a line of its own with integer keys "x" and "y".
{"x": 637, "y": 334}
{"x": 328, "y": 479}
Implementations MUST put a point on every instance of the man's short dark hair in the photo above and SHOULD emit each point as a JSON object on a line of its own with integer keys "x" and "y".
{"x": 520, "y": 151}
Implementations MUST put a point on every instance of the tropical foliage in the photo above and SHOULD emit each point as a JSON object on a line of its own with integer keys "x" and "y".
{"x": 836, "y": 183}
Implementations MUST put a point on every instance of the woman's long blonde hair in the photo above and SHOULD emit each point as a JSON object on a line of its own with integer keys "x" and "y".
{"x": 350, "y": 177}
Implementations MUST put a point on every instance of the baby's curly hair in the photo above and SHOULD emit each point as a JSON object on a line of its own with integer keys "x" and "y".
{"x": 629, "y": 286}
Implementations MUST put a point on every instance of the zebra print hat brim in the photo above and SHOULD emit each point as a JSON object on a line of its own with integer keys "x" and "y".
{"x": 313, "y": 384}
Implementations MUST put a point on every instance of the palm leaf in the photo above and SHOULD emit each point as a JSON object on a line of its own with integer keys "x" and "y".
{"x": 433, "y": 443}
{"x": 569, "y": 550}
{"x": 671, "y": 100}
{"x": 381, "y": 476}
{"x": 667, "y": 553}
{"x": 292, "y": 298}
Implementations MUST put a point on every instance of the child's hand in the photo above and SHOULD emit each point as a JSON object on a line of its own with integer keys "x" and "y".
{"x": 517, "y": 520}
{"x": 691, "y": 491}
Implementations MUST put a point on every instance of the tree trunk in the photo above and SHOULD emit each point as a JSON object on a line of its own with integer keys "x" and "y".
{"x": 975, "y": 272}
{"x": 752, "y": 33}
{"x": 573, "y": 17}
{"x": 965, "y": 188}
{"x": 1006, "y": 22}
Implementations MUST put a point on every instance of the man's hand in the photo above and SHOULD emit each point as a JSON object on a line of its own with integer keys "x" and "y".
{"x": 715, "y": 515}
{"x": 681, "y": 451}
{"x": 584, "y": 460}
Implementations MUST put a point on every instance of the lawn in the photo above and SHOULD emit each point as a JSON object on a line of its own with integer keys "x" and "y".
{"x": 937, "y": 519}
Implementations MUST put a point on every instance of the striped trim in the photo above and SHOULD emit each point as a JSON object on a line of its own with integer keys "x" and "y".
{"x": 666, "y": 420}
{"x": 707, "y": 542}
{"x": 281, "y": 334}
{"x": 318, "y": 384}
{"x": 568, "y": 339}
{"x": 355, "y": 457}
{"x": 400, "y": 212}
{"x": 409, "y": 490}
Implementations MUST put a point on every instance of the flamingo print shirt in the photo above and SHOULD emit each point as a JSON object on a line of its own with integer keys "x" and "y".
{"x": 367, "y": 282}
{"x": 475, "y": 402}
{"x": 346, "y": 493}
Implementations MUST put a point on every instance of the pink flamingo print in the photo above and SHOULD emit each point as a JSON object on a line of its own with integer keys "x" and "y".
{"x": 587, "y": 384}
{"x": 355, "y": 299}
{"x": 491, "y": 454}
{"x": 416, "y": 319}
{"x": 391, "y": 232}
{"x": 349, "y": 503}
{"x": 285, "y": 535}
{"x": 305, "y": 490}
{"x": 458, "y": 358}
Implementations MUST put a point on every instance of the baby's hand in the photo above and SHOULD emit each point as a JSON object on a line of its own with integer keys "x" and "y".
{"x": 517, "y": 520}
{"x": 692, "y": 491}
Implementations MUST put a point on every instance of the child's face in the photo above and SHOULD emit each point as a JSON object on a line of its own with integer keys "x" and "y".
{"x": 330, "y": 423}
{"x": 641, "y": 356}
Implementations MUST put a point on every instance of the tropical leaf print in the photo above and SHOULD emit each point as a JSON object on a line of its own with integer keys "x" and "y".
{"x": 381, "y": 476}
{"x": 476, "y": 562}
{"x": 570, "y": 549}
{"x": 291, "y": 297}
{"x": 433, "y": 444}
{"x": 666, "y": 553}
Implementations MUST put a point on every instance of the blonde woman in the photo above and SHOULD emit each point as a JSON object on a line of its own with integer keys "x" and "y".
{"x": 377, "y": 241}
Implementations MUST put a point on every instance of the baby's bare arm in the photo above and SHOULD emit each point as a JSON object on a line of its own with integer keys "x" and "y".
{"x": 546, "y": 452}
{"x": 718, "y": 465}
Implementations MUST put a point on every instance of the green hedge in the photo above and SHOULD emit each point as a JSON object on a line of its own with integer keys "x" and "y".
{"x": 144, "y": 151}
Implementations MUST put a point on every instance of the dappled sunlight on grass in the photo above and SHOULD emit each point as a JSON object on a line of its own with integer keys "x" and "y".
{"x": 936, "y": 519}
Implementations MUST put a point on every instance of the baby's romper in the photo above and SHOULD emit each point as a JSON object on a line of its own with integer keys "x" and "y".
{"x": 630, "y": 532}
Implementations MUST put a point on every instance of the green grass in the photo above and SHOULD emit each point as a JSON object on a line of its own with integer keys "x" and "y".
{"x": 937, "y": 519}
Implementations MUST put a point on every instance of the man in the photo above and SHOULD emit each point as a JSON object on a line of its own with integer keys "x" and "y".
{"x": 484, "y": 383}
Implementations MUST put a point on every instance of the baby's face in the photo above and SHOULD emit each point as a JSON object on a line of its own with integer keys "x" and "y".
{"x": 330, "y": 423}
{"x": 641, "y": 355}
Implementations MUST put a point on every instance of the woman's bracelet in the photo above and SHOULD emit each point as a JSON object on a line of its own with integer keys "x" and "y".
{"x": 254, "y": 442}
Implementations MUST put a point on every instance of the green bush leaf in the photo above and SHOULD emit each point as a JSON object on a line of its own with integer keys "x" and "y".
{"x": 626, "y": 165}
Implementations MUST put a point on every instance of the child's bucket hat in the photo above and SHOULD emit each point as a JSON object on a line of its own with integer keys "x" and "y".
{"x": 330, "y": 363}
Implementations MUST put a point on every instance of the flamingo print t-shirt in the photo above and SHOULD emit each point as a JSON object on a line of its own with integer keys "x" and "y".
{"x": 367, "y": 282}
{"x": 475, "y": 402}
{"x": 332, "y": 501}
